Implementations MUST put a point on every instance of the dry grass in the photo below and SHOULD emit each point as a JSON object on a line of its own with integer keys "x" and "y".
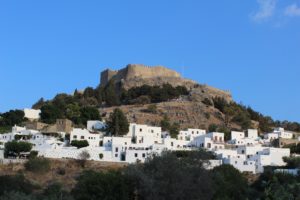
{"x": 68, "y": 179}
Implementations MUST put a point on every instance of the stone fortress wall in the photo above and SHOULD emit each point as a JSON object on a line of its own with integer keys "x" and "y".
{"x": 132, "y": 71}
{"x": 135, "y": 75}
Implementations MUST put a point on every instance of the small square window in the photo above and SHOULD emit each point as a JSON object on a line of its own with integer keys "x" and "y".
{"x": 116, "y": 155}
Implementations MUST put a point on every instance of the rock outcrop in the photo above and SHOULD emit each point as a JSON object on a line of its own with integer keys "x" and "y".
{"x": 188, "y": 111}
{"x": 134, "y": 75}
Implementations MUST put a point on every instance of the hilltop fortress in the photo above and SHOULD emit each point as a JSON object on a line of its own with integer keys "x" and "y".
{"x": 135, "y": 75}
{"x": 137, "y": 71}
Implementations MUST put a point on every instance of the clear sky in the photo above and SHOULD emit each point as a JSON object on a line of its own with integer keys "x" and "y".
{"x": 251, "y": 48}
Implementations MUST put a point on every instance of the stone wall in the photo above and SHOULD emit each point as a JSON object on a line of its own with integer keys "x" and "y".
{"x": 132, "y": 71}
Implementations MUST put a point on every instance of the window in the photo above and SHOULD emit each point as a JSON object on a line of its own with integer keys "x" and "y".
{"x": 172, "y": 143}
{"x": 141, "y": 130}
{"x": 152, "y": 131}
{"x": 144, "y": 155}
{"x": 136, "y": 155}
{"x": 82, "y": 137}
{"x": 75, "y": 137}
{"x": 116, "y": 155}
{"x": 117, "y": 149}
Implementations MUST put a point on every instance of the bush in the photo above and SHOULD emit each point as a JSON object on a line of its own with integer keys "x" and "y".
{"x": 80, "y": 143}
{"x": 38, "y": 165}
{"x": 169, "y": 177}
{"x": 33, "y": 154}
{"x": 14, "y": 148}
{"x": 156, "y": 94}
{"x": 151, "y": 109}
{"x": 101, "y": 155}
{"x": 207, "y": 102}
{"x": 18, "y": 183}
{"x": 293, "y": 162}
{"x": 102, "y": 185}
{"x": 229, "y": 183}
{"x": 83, "y": 157}
{"x": 61, "y": 171}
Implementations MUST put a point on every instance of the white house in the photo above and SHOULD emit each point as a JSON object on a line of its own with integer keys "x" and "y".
{"x": 32, "y": 114}
{"x": 84, "y": 134}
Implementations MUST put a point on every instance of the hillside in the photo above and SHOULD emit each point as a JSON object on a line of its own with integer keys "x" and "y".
{"x": 148, "y": 94}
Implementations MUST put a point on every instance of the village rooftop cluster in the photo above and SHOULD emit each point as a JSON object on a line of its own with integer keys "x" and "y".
{"x": 246, "y": 151}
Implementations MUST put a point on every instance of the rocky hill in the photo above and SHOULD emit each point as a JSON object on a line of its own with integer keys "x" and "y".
{"x": 136, "y": 75}
{"x": 188, "y": 111}
{"x": 149, "y": 94}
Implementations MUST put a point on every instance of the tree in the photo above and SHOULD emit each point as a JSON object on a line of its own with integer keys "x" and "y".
{"x": 229, "y": 183}
{"x": 14, "y": 148}
{"x": 111, "y": 97}
{"x": 99, "y": 94}
{"x": 168, "y": 177}
{"x": 83, "y": 157}
{"x": 117, "y": 123}
{"x": 165, "y": 123}
{"x": 88, "y": 92}
{"x": 16, "y": 195}
{"x": 12, "y": 117}
{"x": 220, "y": 103}
{"x": 89, "y": 113}
{"x": 212, "y": 128}
{"x": 73, "y": 112}
{"x": 50, "y": 112}
{"x": 102, "y": 185}
{"x": 39, "y": 104}
{"x": 18, "y": 183}
{"x": 55, "y": 191}
{"x": 174, "y": 130}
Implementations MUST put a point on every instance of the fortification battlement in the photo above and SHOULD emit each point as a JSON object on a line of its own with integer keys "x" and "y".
{"x": 137, "y": 70}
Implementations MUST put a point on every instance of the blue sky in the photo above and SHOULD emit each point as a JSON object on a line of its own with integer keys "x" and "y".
{"x": 251, "y": 48}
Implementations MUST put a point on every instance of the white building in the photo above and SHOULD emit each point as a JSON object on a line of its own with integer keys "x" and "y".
{"x": 210, "y": 141}
{"x": 94, "y": 139}
{"x": 190, "y": 134}
{"x": 279, "y": 133}
{"x": 247, "y": 154}
{"x": 32, "y": 114}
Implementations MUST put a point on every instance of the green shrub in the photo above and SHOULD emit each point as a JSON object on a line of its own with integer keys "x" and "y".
{"x": 101, "y": 155}
{"x": 39, "y": 165}
{"x": 80, "y": 143}
{"x": 14, "y": 148}
{"x": 18, "y": 183}
{"x": 207, "y": 102}
{"x": 33, "y": 154}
